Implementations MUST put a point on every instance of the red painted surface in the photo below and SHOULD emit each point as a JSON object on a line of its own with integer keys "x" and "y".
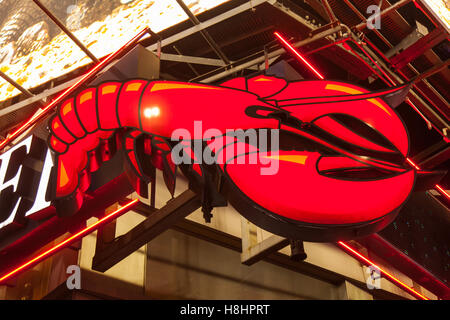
{"x": 297, "y": 191}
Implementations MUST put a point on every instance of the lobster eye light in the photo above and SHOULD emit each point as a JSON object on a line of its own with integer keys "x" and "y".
{"x": 151, "y": 112}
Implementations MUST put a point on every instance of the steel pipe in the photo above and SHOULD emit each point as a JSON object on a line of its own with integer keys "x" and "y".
{"x": 66, "y": 31}
{"x": 261, "y": 58}
{"x": 15, "y": 84}
{"x": 396, "y": 6}
{"x": 204, "y": 33}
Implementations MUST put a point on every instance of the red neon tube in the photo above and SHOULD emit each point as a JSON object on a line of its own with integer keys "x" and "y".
{"x": 70, "y": 240}
{"x": 386, "y": 274}
{"x": 87, "y": 77}
{"x": 412, "y": 163}
{"x": 437, "y": 187}
{"x": 298, "y": 55}
{"x": 442, "y": 191}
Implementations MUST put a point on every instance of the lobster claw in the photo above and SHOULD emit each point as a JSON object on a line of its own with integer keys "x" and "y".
{"x": 309, "y": 191}
{"x": 350, "y": 113}
{"x": 340, "y": 170}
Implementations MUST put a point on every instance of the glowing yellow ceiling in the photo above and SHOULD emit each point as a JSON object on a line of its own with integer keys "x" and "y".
{"x": 60, "y": 55}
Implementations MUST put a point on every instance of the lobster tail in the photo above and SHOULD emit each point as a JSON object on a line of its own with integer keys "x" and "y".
{"x": 105, "y": 107}
{"x": 80, "y": 124}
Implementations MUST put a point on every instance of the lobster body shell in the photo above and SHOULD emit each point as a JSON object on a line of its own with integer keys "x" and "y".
{"x": 114, "y": 105}
{"x": 354, "y": 132}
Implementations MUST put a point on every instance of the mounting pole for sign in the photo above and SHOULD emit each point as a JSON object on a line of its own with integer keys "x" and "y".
{"x": 158, "y": 50}
{"x": 156, "y": 223}
{"x": 266, "y": 59}
{"x": 254, "y": 251}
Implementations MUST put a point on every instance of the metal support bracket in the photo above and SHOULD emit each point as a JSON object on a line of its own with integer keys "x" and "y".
{"x": 254, "y": 251}
{"x": 156, "y": 223}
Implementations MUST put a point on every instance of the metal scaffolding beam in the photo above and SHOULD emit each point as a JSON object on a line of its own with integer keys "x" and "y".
{"x": 85, "y": 79}
{"x": 203, "y": 25}
{"x": 385, "y": 67}
{"x": 396, "y": 6}
{"x": 192, "y": 60}
{"x": 204, "y": 33}
{"x": 66, "y": 31}
{"x": 156, "y": 223}
{"x": 363, "y": 18}
{"x": 329, "y": 11}
{"x": 261, "y": 58}
{"x": 15, "y": 84}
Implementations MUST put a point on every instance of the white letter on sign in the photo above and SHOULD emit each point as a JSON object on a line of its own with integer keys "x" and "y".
{"x": 13, "y": 182}
{"x": 40, "y": 202}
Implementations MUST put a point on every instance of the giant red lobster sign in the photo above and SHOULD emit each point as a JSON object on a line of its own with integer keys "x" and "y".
{"x": 340, "y": 161}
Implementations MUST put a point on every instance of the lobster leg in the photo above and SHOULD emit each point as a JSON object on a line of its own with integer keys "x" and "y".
{"x": 144, "y": 153}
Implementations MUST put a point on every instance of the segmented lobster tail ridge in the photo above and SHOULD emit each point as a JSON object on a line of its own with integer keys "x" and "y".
{"x": 95, "y": 109}
{"x": 83, "y": 123}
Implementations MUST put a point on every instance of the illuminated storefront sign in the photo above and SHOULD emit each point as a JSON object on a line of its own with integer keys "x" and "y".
{"x": 340, "y": 152}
